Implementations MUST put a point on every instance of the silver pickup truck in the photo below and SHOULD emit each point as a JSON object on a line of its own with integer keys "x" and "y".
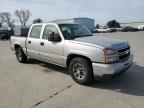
{"x": 72, "y": 46}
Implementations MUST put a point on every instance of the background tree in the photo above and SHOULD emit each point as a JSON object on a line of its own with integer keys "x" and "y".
{"x": 97, "y": 26}
{"x": 23, "y": 16}
{"x": 113, "y": 24}
{"x": 38, "y": 20}
{"x": 1, "y": 20}
{"x": 8, "y": 19}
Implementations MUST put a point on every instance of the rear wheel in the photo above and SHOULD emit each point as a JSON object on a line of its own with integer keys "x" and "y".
{"x": 21, "y": 57}
{"x": 81, "y": 70}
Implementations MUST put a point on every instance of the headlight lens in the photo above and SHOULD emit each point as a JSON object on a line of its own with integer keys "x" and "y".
{"x": 110, "y": 56}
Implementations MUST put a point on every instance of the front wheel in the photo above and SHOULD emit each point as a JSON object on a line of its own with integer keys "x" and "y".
{"x": 21, "y": 57}
{"x": 81, "y": 70}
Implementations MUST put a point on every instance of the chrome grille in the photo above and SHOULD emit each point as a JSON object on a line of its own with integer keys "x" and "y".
{"x": 123, "y": 54}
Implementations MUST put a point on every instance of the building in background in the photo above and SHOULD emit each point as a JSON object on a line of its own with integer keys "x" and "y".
{"x": 87, "y": 22}
{"x": 132, "y": 24}
{"x": 21, "y": 31}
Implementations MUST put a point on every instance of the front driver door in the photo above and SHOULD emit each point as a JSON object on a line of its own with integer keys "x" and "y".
{"x": 51, "y": 51}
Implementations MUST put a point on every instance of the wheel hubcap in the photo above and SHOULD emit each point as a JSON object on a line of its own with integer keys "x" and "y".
{"x": 79, "y": 71}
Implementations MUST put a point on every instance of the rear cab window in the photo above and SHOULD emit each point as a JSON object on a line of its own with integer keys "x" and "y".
{"x": 36, "y": 31}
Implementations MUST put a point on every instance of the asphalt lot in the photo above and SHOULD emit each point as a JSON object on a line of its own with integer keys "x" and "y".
{"x": 42, "y": 85}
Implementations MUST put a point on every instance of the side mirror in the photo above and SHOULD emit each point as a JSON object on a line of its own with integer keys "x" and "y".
{"x": 54, "y": 37}
{"x": 51, "y": 36}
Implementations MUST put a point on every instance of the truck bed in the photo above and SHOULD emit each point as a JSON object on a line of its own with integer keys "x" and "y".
{"x": 18, "y": 40}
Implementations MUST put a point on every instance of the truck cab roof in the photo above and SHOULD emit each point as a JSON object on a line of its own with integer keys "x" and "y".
{"x": 57, "y": 23}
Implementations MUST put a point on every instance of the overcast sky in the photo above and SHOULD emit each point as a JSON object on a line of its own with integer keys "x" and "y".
{"x": 100, "y": 10}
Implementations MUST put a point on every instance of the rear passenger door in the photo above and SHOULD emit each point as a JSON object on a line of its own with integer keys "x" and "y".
{"x": 33, "y": 41}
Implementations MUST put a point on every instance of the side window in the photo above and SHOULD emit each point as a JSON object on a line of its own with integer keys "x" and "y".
{"x": 50, "y": 28}
{"x": 36, "y": 31}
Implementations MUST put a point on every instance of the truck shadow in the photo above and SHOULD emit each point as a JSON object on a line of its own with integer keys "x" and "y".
{"x": 131, "y": 82}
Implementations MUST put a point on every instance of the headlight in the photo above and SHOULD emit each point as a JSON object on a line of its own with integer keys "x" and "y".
{"x": 110, "y": 56}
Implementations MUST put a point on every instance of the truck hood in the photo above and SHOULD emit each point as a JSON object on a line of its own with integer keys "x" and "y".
{"x": 103, "y": 42}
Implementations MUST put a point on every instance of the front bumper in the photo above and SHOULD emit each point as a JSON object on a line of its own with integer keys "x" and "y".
{"x": 101, "y": 70}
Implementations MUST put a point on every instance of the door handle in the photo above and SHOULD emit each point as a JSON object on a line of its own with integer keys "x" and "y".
{"x": 42, "y": 43}
{"x": 29, "y": 42}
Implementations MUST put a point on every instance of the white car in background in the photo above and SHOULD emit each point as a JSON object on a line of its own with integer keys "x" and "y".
{"x": 102, "y": 30}
{"x": 140, "y": 27}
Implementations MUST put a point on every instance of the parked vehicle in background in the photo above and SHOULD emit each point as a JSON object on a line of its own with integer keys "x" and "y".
{"x": 140, "y": 27}
{"x": 110, "y": 30}
{"x": 100, "y": 30}
{"x": 118, "y": 29}
{"x": 129, "y": 29}
{"x": 104, "y": 30}
{"x": 4, "y": 36}
{"x": 74, "y": 47}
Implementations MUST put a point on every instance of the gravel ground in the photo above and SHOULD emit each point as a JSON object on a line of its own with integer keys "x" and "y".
{"x": 42, "y": 85}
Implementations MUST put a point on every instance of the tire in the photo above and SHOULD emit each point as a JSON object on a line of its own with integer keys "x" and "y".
{"x": 21, "y": 57}
{"x": 81, "y": 71}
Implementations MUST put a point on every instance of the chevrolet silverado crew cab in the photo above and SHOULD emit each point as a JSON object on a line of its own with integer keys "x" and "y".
{"x": 73, "y": 46}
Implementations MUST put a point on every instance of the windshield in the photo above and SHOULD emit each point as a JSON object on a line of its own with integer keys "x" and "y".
{"x": 72, "y": 31}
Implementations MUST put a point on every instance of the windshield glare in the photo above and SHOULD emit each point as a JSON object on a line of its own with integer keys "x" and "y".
{"x": 72, "y": 31}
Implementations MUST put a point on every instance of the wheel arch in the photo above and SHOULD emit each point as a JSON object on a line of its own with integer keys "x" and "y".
{"x": 17, "y": 46}
{"x": 72, "y": 56}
